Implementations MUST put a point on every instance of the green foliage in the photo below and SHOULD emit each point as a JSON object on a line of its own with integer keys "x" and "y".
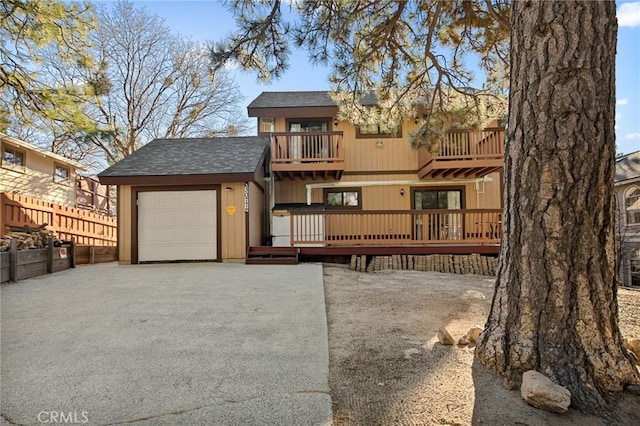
{"x": 410, "y": 54}
{"x": 30, "y": 30}
{"x": 143, "y": 82}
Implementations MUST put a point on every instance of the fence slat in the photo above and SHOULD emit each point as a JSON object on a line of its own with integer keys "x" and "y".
{"x": 66, "y": 222}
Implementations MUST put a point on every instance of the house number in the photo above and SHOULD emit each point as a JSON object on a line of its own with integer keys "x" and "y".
{"x": 246, "y": 197}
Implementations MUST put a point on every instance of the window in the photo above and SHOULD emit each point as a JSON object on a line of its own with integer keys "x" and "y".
{"x": 632, "y": 206}
{"x": 377, "y": 131}
{"x": 342, "y": 198}
{"x": 12, "y": 157}
{"x": 449, "y": 199}
{"x": 267, "y": 125}
{"x": 61, "y": 174}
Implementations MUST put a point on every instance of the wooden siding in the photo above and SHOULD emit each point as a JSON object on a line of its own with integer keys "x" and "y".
{"x": 35, "y": 180}
{"x": 256, "y": 215}
{"x": 234, "y": 242}
{"x": 379, "y": 154}
{"x": 384, "y": 197}
{"x": 125, "y": 210}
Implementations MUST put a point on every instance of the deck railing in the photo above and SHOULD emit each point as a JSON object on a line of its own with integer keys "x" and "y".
{"x": 470, "y": 145}
{"x": 397, "y": 227}
{"x": 306, "y": 148}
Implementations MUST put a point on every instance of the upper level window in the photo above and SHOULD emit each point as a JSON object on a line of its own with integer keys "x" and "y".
{"x": 267, "y": 125}
{"x": 377, "y": 131}
{"x": 12, "y": 157}
{"x": 342, "y": 198}
{"x": 61, "y": 174}
{"x": 632, "y": 206}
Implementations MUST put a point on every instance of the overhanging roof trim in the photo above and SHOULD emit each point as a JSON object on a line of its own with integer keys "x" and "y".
{"x": 56, "y": 157}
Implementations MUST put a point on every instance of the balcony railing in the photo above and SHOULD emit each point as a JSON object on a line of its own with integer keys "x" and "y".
{"x": 464, "y": 153}
{"x": 395, "y": 227}
{"x": 307, "y": 154}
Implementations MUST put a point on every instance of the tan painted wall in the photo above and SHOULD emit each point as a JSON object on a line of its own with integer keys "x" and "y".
{"x": 256, "y": 215}
{"x": 36, "y": 180}
{"x": 387, "y": 197}
{"x": 233, "y": 224}
{"x": 378, "y": 154}
{"x": 124, "y": 224}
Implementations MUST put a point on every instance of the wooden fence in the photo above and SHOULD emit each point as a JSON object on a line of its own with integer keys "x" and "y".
{"x": 88, "y": 228}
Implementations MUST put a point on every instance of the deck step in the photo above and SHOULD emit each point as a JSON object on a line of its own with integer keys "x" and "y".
{"x": 271, "y": 261}
{"x": 267, "y": 255}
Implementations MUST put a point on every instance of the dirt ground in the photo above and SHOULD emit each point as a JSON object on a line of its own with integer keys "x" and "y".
{"x": 386, "y": 367}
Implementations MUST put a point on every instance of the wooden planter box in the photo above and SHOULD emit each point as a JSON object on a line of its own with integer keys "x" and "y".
{"x": 22, "y": 264}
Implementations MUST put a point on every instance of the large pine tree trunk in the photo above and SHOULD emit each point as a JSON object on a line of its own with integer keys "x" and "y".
{"x": 554, "y": 309}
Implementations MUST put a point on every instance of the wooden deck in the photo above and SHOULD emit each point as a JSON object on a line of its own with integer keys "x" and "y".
{"x": 464, "y": 154}
{"x": 326, "y": 228}
{"x": 307, "y": 154}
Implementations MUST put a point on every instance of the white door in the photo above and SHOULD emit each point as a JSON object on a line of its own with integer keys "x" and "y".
{"x": 177, "y": 225}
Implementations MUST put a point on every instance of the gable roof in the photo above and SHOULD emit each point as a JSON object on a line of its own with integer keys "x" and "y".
{"x": 301, "y": 99}
{"x": 628, "y": 168}
{"x": 294, "y": 104}
{"x": 241, "y": 156}
{"x": 27, "y": 146}
{"x": 292, "y": 100}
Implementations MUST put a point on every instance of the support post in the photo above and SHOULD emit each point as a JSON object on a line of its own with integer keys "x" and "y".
{"x": 72, "y": 253}
{"x": 13, "y": 260}
{"x": 49, "y": 255}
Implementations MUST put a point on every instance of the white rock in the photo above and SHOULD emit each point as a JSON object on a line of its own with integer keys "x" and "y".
{"x": 473, "y": 334}
{"x": 411, "y": 351}
{"x": 539, "y": 391}
{"x": 463, "y": 341}
{"x": 634, "y": 346}
{"x": 444, "y": 337}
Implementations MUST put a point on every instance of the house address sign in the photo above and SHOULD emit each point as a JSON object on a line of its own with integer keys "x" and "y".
{"x": 246, "y": 197}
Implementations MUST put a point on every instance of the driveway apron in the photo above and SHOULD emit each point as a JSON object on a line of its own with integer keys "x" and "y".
{"x": 174, "y": 344}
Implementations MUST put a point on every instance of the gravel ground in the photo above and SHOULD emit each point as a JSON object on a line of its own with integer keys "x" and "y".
{"x": 386, "y": 367}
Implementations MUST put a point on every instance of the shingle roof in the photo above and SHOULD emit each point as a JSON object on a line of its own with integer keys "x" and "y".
{"x": 628, "y": 167}
{"x": 300, "y": 99}
{"x": 193, "y": 156}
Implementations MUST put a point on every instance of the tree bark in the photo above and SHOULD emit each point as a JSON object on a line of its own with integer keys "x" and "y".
{"x": 554, "y": 308}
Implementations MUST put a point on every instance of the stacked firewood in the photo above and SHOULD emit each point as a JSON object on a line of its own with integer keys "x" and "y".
{"x": 26, "y": 237}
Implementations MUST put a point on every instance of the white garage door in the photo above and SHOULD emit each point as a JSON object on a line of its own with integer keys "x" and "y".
{"x": 177, "y": 225}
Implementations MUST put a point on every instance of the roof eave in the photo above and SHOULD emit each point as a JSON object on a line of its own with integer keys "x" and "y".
{"x": 59, "y": 158}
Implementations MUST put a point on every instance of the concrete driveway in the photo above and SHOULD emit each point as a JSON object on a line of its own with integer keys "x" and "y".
{"x": 174, "y": 344}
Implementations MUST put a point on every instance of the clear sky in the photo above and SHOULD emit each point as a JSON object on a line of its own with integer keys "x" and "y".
{"x": 209, "y": 20}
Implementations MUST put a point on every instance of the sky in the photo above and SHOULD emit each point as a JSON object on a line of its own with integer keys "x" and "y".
{"x": 211, "y": 21}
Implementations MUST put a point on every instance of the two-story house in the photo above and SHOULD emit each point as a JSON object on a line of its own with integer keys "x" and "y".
{"x": 627, "y": 189}
{"x": 310, "y": 182}
{"x": 34, "y": 172}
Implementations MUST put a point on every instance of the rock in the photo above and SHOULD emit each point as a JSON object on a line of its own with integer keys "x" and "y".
{"x": 634, "y": 346}
{"x": 539, "y": 391}
{"x": 473, "y": 334}
{"x": 632, "y": 389}
{"x": 444, "y": 337}
{"x": 463, "y": 341}
{"x": 411, "y": 351}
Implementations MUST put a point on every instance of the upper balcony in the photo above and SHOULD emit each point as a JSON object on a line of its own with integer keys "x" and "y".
{"x": 464, "y": 154}
{"x": 307, "y": 154}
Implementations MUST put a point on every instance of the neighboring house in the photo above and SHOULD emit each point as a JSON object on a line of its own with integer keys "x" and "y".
{"x": 312, "y": 182}
{"x": 627, "y": 189}
{"x": 31, "y": 171}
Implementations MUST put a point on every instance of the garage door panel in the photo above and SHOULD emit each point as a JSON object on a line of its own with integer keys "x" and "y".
{"x": 177, "y": 225}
